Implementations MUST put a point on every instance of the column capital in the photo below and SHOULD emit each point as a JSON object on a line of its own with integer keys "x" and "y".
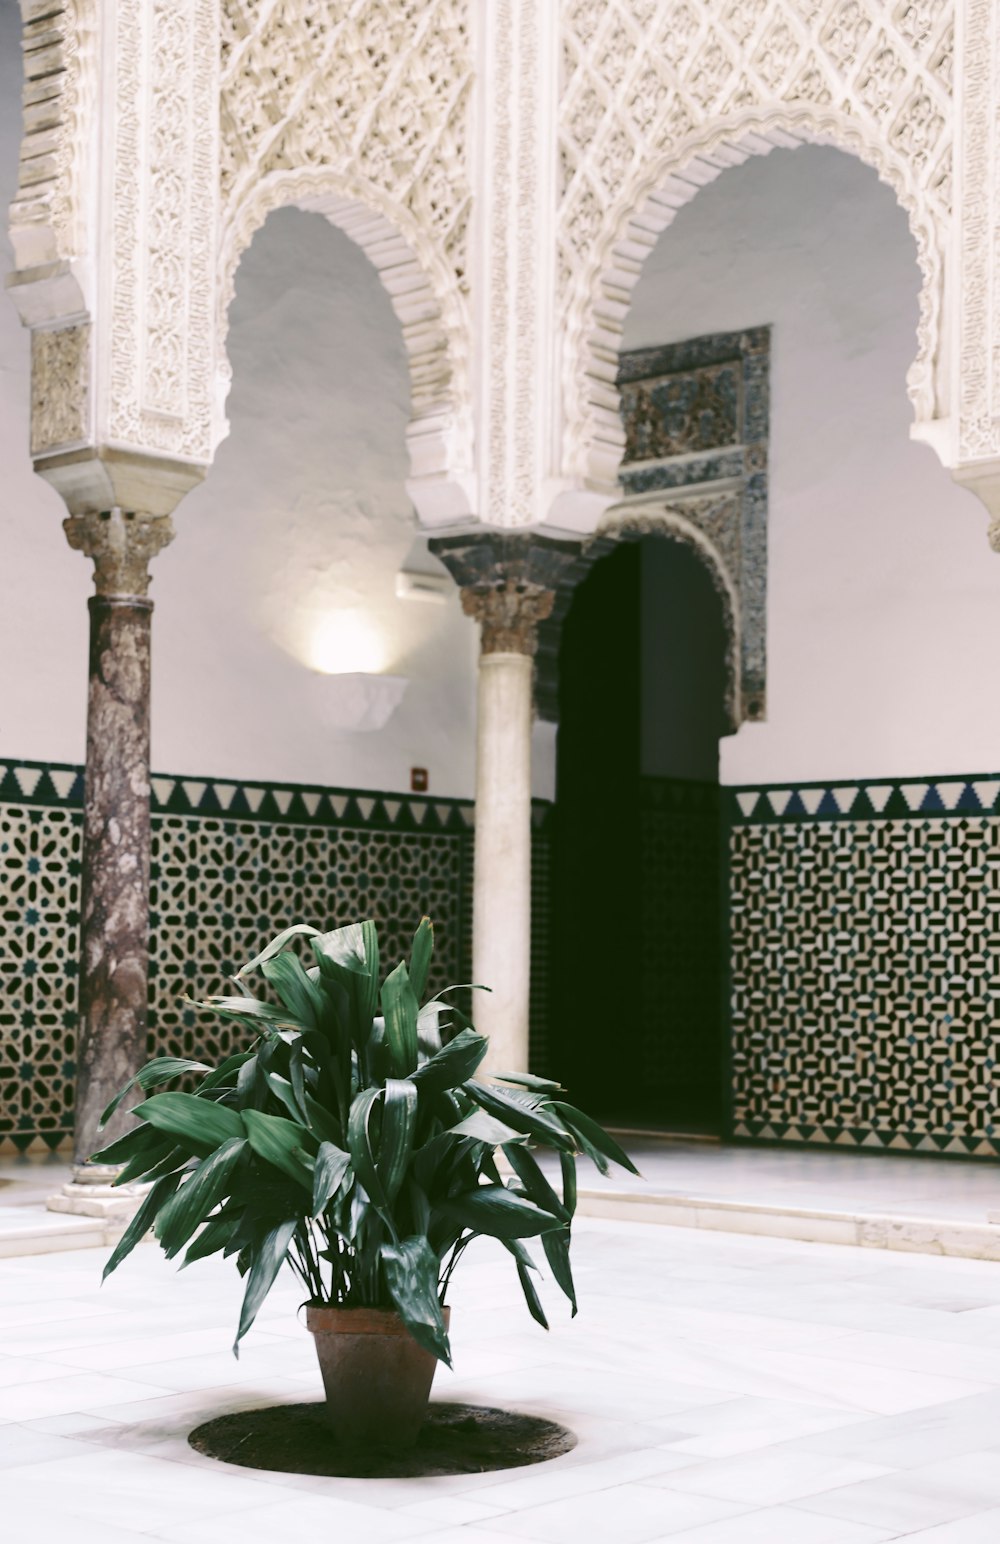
{"x": 509, "y": 613}
{"x": 508, "y": 582}
{"x": 122, "y": 544}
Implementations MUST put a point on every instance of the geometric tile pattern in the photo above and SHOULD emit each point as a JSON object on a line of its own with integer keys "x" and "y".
{"x": 887, "y": 797}
{"x": 863, "y": 955}
{"x": 231, "y": 864}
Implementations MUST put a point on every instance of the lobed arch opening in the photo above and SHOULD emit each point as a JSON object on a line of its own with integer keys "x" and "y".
{"x": 593, "y": 434}
{"x": 426, "y": 301}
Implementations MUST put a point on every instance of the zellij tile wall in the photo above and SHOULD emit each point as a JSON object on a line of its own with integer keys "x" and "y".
{"x": 232, "y": 863}
{"x": 864, "y": 925}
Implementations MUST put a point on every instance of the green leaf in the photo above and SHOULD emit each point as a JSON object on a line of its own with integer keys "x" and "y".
{"x": 399, "y": 1005}
{"x": 282, "y": 1090}
{"x": 594, "y": 1138}
{"x": 300, "y": 995}
{"x": 454, "y": 1064}
{"x": 399, "y": 1124}
{"x": 321, "y": 1122}
{"x": 331, "y": 1166}
{"x": 534, "y": 1181}
{"x": 531, "y": 1297}
{"x": 283, "y": 1143}
{"x": 556, "y": 1246}
{"x": 523, "y": 1116}
{"x": 486, "y": 1128}
{"x": 159, "y": 1070}
{"x": 145, "y": 1166}
{"x": 267, "y": 1262}
{"x": 140, "y": 1139}
{"x": 498, "y": 1212}
{"x": 222, "y": 1072}
{"x": 411, "y": 1274}
{"x": 359, "y": 1144}
{"x": 420, "y": 957}
{"x": 248, "y": 1010}
{"x": 567, "y": 1163}
{"x": 200, "y": 1122}
{"x": 528, "y": 1080}
{"x": 215, "y": 1235}
{"x": 429, "y": 1028}
{"x": 198, "y": 1196}
{"x": 142, "y": 1221}
{"x": 277, "y": 944}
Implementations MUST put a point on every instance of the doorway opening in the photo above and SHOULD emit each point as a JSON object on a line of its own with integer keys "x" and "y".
{"x": 637, "y": 1015}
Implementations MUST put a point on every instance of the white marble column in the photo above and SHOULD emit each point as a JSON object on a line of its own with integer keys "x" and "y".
{"x": 508, "y": 613}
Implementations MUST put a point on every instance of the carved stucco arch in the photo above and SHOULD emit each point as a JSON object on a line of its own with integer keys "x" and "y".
{"x": 425, "y": 298}
{"x": 652, "y": 516}
{"x": 593, "y": 437}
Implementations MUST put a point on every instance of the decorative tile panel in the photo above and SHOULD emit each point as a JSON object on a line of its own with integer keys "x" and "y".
{"x": 864, "y": 943}
{"x": 232, "y": 862}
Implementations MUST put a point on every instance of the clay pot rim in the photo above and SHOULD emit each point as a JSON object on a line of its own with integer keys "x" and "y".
{"x": 328, "y": 1319}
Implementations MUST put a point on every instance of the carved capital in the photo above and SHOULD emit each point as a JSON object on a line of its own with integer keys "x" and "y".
{"x": 509, "y": 613}
{"x": 122, "y": 545}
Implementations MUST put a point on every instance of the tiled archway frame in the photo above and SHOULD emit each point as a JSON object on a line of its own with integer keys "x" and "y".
{"x": 695, "y": 423}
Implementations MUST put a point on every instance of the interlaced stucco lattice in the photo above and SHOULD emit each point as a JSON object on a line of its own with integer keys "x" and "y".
{"x": 661, "y": 95}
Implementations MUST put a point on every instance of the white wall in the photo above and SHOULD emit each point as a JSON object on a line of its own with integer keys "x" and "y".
{"x": 303, "y": 516}
{"x": 884, "y": 597}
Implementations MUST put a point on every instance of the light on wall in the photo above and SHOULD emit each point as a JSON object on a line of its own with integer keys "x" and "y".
{"x": 347, "y": 647}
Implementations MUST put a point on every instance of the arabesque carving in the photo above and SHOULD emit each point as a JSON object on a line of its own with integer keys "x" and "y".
{"x": 660, "y": 96}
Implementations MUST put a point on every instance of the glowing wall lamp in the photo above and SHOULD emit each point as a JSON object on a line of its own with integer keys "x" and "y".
{"x": 347, "y": 647}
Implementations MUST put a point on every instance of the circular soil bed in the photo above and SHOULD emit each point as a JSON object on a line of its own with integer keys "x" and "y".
{"x": 456, "y": 1439}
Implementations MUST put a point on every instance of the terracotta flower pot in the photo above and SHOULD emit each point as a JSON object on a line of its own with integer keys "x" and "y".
{"x": 377, "y": 1378}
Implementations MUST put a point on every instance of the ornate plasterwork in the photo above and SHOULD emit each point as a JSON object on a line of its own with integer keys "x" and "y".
{"x": 358, "y": 108}
{"x": 161, "y": 228}
{"x": 60, "y": 386}
{"x": 979, "y": 319}
{"x": 47, "y": 215}
{"x": 660, "y": 96}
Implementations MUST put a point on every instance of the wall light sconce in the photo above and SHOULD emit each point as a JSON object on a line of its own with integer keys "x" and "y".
{"x": 360, "y": 696}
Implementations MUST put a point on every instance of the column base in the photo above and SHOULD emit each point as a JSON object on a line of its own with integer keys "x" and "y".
{"x": 92, "y": 1193}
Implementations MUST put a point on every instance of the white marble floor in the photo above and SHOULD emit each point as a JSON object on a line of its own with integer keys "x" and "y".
{"x": 725, "y": 1390}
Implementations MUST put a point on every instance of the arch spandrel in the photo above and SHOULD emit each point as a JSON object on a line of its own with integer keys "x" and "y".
{"x": 661, "y": 96}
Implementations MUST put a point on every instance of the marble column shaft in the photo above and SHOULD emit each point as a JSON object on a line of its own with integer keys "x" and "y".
{"x": 116, "y": 832}
{"x": 508, "y": 612}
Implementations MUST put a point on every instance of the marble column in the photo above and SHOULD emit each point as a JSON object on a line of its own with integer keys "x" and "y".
{"x": 508, "y": 613}
{"x": 114, "y": 944}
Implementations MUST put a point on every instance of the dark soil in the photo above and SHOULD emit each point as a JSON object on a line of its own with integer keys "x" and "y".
{"x": 456, "y": 1439}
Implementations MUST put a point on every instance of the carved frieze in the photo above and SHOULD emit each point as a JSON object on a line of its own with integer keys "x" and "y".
{"x": 60, "y": 386}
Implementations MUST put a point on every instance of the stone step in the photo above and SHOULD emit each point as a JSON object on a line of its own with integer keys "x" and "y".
{"x": 866, "y": 1230}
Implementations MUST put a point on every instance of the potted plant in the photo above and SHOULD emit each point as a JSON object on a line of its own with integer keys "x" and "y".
{"x": 358, "y": 1146}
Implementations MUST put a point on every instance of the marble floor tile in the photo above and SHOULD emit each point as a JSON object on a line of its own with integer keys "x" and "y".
{"x": 627, "y": 1514}
{"x": 768, "y": 1478}
{"x": 723, "y": 1390}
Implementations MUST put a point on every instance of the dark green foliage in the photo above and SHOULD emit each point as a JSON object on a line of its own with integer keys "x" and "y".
{"x": 351, "y": 1140}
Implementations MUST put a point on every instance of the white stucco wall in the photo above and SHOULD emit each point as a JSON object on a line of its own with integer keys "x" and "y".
{"x": 884, "y": 597}
{"x": 303, "y": 517}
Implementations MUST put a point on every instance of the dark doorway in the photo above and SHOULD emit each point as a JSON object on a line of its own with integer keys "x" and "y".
{"x": 636, "y": 1015}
